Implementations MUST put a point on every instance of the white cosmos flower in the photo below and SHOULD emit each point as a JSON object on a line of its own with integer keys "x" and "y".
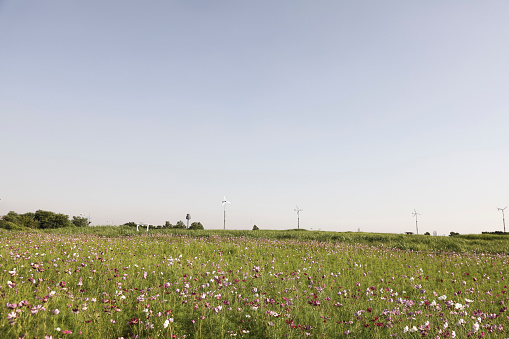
{"x": 458, "y": 306}
{"x": 475, "y": 328}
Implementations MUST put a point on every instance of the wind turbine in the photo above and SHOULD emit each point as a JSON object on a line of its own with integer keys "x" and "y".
{"x": 503, "y": 218}
{"x": 224, "y": 202}
{"x": 415, "y": 214}
{"x": 298, "y": 216}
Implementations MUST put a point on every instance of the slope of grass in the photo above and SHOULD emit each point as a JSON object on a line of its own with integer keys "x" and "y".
{"x": 489, "y": 243}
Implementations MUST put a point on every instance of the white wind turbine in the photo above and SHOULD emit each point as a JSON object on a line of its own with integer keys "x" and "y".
{"x": 503, "y": 217}
{"x": 298, "y": 210}
{"x": 224, "y": 202}
{"x": 415, "y": 214}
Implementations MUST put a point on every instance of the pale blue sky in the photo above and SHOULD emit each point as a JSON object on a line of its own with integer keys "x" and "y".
{"x": 356, "y": 111}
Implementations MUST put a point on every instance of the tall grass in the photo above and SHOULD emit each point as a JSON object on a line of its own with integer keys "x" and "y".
{"x": 115, "y": 282}
{"x": 490, "y": 243}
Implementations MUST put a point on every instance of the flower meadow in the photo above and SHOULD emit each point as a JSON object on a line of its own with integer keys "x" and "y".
{"x": 178, "y": 286}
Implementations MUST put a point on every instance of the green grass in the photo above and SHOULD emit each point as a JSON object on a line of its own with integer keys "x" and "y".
{"x": 490, "y": 243}
{"x": 111, "y": 282}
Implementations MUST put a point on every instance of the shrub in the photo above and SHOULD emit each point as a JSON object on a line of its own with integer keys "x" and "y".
{"x": 180, "y": 224}
{"x": 196, "y": 226}
{"x": 47, "y": 219}
{"x": 80, "y": 221}
{"x": 8, "y": 225}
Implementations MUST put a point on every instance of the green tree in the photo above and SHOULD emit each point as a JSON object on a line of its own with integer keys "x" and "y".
{"x": 130, "y": 223}
{"x": 10, "y": 225}
{"x": 167, "y": 224}
{"x": 255, "y": 228}
{"x": 79, "y": 221}
{"x": 28, "y": 220}
{"x": 180, "y": 224}
{"x": 12, "y": 217}
{"x": 196, "y": 226}
{"x": 48, "y": 219}
{"x": 19, "y": 221}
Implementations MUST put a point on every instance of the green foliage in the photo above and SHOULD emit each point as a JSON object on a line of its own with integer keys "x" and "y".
{"x": 496, "y": 232}
{"x": 48, "y": 219}
{"x": 255, "y": 228}
{"x": 167, "y": 224}
{"x": 22, "y": 220}
{"x": 427, "y": 233}
{"x": 80, "y": 221}
{"x": 452, "y": 234}
{"x": 130, "y": 224}
{"x": 15, "y": 221}
{"x": 8, "y": 225}
{"x": 11, "y": 217}
{"x": 180, "y": 225}
{"x": 196, "y": 226}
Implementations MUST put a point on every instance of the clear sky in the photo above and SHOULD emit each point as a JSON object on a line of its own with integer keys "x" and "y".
{"x": 358, "y": 112}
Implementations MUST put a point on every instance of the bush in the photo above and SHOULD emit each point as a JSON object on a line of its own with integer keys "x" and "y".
{"x": 24, "y": 220}
{"x": 196, "y": 226}
{"x": 47, "y": 219}
{"x": 255, "y": 228}
{"x": 80, "y": 221}
{"x": 180, "y": 224}
{"x": 8, "y": 225}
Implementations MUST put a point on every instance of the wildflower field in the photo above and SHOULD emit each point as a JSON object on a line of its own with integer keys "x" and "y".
{"x": 201, "y": 285}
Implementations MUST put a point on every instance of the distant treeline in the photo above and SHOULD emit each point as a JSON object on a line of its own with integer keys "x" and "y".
{"x": 179, "y": 225}
{"x": 496, "y": 232}
{"x": 40, "y": 220}
{"x": 47, "y": 220}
